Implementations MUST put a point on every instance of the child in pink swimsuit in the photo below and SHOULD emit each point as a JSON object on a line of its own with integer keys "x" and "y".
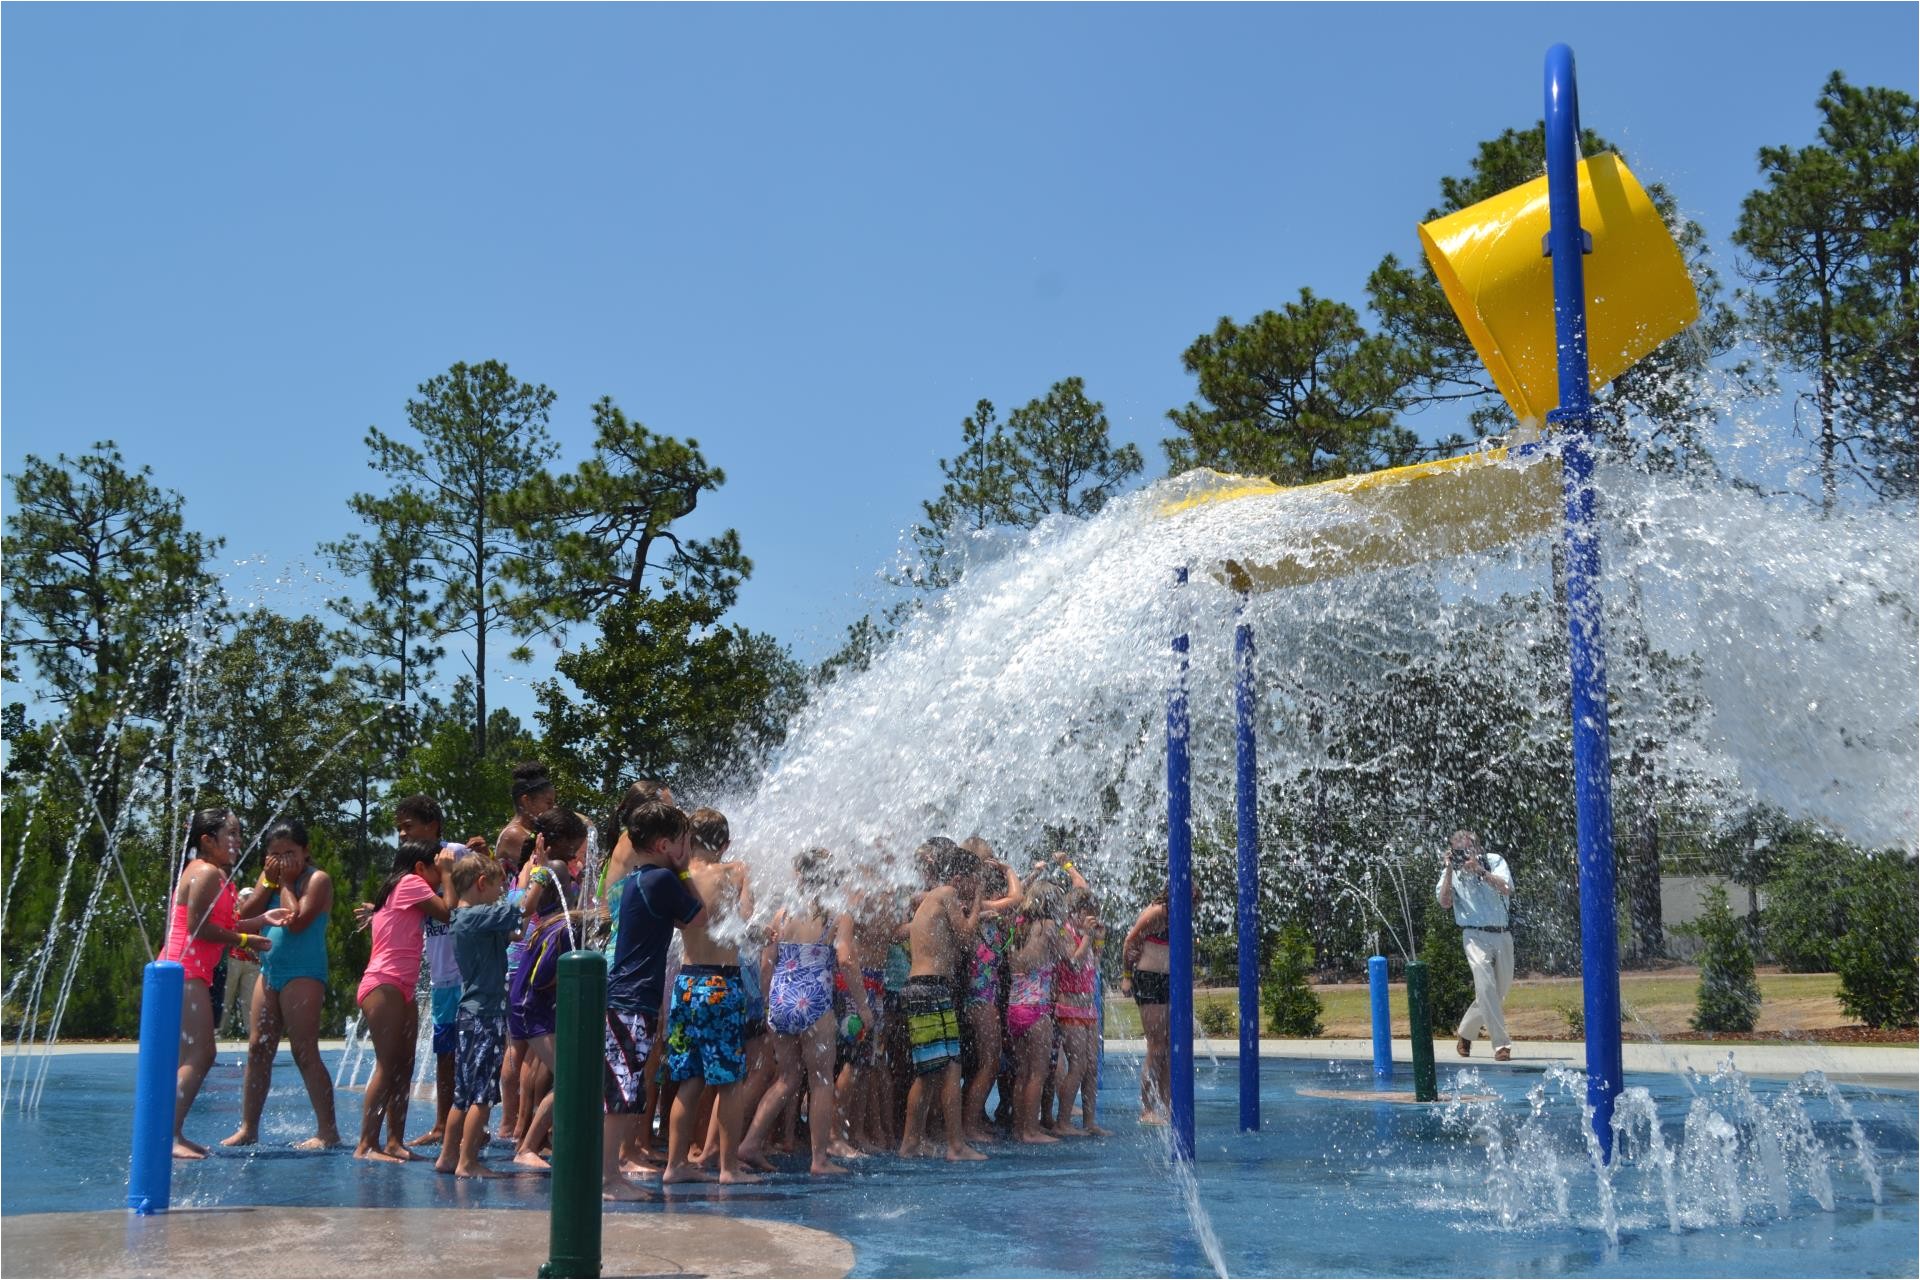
{"x": 204, "y": 925}
{"x": 417, "y": 889}
{"x": 1039, "y": 943}
{"x": 1074, "y": 985}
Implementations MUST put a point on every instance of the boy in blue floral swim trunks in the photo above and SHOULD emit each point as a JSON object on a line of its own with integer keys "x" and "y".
{"x": 707, "y": 1022}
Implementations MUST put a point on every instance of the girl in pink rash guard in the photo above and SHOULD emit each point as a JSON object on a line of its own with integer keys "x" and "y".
{"x": 418, "y": 888}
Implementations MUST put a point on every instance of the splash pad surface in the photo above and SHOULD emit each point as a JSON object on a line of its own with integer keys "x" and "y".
{"x": 1330, "y": 1187}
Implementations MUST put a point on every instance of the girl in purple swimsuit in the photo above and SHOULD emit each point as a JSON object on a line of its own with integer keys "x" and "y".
{"x": 533, "y": 995}
{"x": 814, "y": 941}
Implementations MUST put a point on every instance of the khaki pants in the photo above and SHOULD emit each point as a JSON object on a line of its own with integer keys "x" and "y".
{"x": 1490, "y": 956}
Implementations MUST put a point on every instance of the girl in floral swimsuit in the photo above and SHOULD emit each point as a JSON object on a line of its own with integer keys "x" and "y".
{"x": 1039, "y": 943}
{"x": 983, "y": 984}
{"x": 813, "y": 943}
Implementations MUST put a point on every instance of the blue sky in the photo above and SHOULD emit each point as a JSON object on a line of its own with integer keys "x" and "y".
{"x": 811, "y": 237}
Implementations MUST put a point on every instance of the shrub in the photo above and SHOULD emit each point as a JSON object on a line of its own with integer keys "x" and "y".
{"x": 1576, "y": 1015}
{"x": 1729, "y": 995}
{"x": 1292, "y": 1006}
{"x": 1875, "y": 954}
{"x": 1218, "y": 1020}
{"x": 1216, "y": 957}
{"x": 1804, "y": 914}
{"x": 1449, "y": 976}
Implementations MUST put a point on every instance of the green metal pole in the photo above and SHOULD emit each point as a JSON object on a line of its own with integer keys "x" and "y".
{"x": 1420, "y": 1023}
{"x": 573, "y": 1242}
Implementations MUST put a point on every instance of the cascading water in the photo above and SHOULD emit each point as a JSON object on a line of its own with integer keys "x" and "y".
{"x": 1028, "y": 698}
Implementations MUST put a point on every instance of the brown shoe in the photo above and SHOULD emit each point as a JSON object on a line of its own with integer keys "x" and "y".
{"x": 1503, "y": 1054}
{"x": 1463, "y": 1047}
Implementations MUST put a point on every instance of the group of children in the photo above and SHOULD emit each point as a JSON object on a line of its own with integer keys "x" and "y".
{"x": 854, "y": 1008}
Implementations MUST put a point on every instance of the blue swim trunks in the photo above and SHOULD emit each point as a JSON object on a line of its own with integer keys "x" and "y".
{"x": 446, "y": 1017}
{"x": 482, "y": 1042}
{"x": 707, "y": 1025}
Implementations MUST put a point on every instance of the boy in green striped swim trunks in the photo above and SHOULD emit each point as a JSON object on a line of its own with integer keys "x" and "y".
{"x": 942, "y": 927}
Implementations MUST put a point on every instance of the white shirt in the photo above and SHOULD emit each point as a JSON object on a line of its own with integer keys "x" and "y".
{"x": 1477, "y": 904}
{"x": 443, "y": 967}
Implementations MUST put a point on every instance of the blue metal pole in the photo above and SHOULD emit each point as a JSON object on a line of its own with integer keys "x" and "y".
{"x": 1382, "y": 1018}
{"x": 1247, "y": 833}
{"x": 1592, "y": 770}
{"x": 1180, "y": 903}
{"x": 150, "y": 1180}
{"x": 1099, "y": 1029}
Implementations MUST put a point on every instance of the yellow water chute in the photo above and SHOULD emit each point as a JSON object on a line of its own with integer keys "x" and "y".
{"x": 1394, "y": 518}
{"x": 1492, "y": 263}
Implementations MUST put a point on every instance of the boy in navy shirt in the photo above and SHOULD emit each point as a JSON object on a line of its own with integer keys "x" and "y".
{"x": 656, "y": 899}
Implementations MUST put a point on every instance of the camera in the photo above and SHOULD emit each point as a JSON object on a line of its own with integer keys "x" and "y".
{"x": 1456, "y": 858}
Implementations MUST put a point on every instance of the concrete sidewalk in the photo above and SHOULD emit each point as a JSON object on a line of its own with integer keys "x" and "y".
{"x": 1882, "y": 1066}
{"x": 298, "y": 1241}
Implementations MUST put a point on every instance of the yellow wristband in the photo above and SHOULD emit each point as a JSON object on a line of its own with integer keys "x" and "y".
{"x": 244, "y": 939}
{"x": 268, "y": 884}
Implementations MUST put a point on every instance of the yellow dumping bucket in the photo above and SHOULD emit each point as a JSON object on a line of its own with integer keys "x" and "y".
{"x": 1491, "y": 262}
{"x": 1402, "y": 516}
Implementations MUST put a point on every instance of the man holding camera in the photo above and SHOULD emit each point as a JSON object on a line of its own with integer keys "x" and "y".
{"x": 1476, "y": 885}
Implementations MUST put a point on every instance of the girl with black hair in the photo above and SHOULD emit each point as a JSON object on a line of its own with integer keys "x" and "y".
{"x": 558, "y": 837}
{"x": 292, "y": 986}
{"x": 206, "y": 921}
{"x": 532, "y": 794}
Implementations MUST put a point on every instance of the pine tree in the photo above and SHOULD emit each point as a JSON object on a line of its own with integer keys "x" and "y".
{"x": 1830, "y": 241}
{"x": 1295, "y": 395}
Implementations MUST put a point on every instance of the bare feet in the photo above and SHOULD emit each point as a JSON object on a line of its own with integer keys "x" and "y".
{"x": 738, "y": 1176}
{"x": 431, "y": 1138}
{"x": 965, "y": 1153}
{"x": 184, "y": 1150}
{"x": 443, "y": 1165}
{"x": 476, "y": 1171}
{"x": 1037, "y": 1137}
{"x": 839, "y": 1150}
{"x": 1152, "y": 1117}
{"x": 621, "y": 1189}
{"x": 822, "y": 1169}
{"x": 240, "y": 1138}
{"x": 1095, "y": 1131}
{"x": 319, "y": 1142}
{"x": 530, "y": 1160}
{"x": 685, "y": 1173}
{"x": 632, "y": 1167}
{"x": 377, "y": 1157}
{"x": 402, "y": 1154}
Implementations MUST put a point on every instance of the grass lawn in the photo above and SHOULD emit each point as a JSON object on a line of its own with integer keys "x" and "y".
{"x": 1792, "y": 1004}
